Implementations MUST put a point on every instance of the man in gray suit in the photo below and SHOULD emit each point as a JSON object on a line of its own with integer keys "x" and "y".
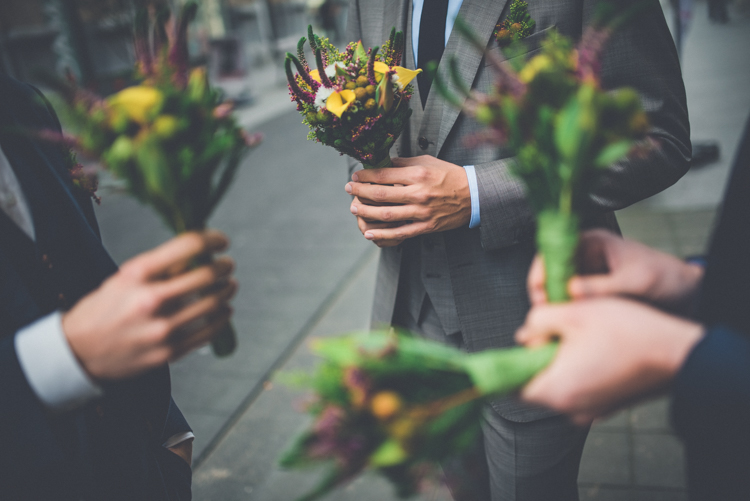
{"x": 458, "y": 242}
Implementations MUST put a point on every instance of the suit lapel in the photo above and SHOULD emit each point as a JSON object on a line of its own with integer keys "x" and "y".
{"x": 439, "y": 116}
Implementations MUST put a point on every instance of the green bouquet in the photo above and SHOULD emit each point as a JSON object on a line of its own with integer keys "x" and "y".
{"x": 399, "y": 405}
{"x": 553, "y": 114}
{"x": 170, "y": 138}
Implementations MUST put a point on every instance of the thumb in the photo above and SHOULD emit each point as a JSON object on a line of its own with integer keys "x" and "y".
{"x": 589, "y": 286}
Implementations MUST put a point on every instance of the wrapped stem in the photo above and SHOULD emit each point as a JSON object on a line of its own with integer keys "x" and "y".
{"x": 225, "y": 342}
{"x": 557, "y": 240}
{"x": 380, "y": 160}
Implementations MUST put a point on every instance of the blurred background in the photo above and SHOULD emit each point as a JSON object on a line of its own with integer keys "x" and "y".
{"x": 303, "y": 266}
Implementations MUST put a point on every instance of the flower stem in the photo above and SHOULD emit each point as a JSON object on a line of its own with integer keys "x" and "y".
{"x": 557, "y": 240}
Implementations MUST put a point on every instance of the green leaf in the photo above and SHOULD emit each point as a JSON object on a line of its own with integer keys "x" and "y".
{"x": 612, "y": 153}
{"x": 497, "y": 372}
{"x": 388, "y": 454}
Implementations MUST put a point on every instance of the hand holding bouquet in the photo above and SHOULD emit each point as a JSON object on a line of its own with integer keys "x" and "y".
{"x": 399, "y": 405}
{"x": 356, "y": 101}
{"x": 169, "y": 138}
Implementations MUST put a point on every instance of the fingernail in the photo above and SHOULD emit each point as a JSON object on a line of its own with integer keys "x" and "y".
{"x": 355, "y": 177}
{"x": 353, "y": 209}
{"x": 348, "y": 188}
{"x": 369, "y": 235}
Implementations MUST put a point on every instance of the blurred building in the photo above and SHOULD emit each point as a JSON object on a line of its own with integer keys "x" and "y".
{"x": 93, "y": 38}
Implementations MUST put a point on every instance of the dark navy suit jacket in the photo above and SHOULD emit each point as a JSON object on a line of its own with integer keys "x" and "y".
{"x": 109, "y": 449}
{"x": 711, "y": 406}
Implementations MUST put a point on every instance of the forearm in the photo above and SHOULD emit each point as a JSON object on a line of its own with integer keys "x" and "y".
{"x": 506, "y": 216}
{"x": 711, "y": 393}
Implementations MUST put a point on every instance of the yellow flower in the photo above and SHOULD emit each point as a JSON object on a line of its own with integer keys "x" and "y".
{"x": 338, "y": 102}
{"x": 315, "y": 75}
{"x": 404, "y": 75}
{"x": 534, "y": 66}
{"x": 139, "y": 103}
{"x": 385, "y": 404}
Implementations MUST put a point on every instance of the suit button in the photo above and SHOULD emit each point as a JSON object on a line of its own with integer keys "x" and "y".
{"x": 62, "y": 301}
{"x": 99, "y": 411}
{"x": 47, "y": 261}
{"x": 423, "y": 142}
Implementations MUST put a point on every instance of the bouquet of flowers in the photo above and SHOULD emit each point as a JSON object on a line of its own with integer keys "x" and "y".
{"x": 399, "y": 405}
{"x": 169, "y": 138}
{"x": 562, "y": 126}
{"x": 356, "y": 101}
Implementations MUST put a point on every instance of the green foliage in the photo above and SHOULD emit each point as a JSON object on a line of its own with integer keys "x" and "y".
{"x": 435, "y": 405}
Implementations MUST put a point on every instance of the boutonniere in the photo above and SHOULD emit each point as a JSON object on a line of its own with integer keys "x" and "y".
{"x": 517, "y": 26}
{"x": 83, "y": 179}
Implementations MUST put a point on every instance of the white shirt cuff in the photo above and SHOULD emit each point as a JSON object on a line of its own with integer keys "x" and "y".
{"x": 471, "y": 173}
{"x": 50, "y": 366}
{"x": 178, "y": 438}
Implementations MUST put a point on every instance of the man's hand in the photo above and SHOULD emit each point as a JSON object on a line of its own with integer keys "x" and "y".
{"x": 612, "y": 353}
{"x": 430, "y": 195}
{"x": 610, "y": 265}
{"x": 154, "y": 309}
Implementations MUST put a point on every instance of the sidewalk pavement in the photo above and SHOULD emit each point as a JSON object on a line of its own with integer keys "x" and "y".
{"x": 305, "y": 271}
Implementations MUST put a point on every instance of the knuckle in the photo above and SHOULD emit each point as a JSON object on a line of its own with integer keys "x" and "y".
{"x": 379, "y": 194}
{"x": 387, "y": 215}
{"x": 149, "y": 301}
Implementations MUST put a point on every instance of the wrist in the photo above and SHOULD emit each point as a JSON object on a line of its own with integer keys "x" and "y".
{"x": 672, "y": 345}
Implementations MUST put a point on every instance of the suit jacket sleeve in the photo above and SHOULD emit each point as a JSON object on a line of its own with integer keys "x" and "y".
{"x": 641, "y": 54}
{"x": 711, "y": 412}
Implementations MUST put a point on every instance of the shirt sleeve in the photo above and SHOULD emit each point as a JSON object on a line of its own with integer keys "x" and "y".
{"x": 50, "y": 366}
{"x": 471, "y": 174}
{"x": 178, "y": 438}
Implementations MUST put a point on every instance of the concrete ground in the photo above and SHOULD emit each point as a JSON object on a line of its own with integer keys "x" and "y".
{"x": 305, "y": 271}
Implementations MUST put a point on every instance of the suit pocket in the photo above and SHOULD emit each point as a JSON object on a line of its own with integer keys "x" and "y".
{"x": 531, "y": 43}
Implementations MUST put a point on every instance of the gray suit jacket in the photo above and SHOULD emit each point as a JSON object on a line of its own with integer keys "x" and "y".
{"x": 476, "y": 278}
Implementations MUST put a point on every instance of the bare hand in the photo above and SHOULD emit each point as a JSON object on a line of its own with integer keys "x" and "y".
{"x": 366, "y": 225}
{"x": 433, "y": 196}
{"x": 610, "y": 265}
{"x": 154, "y": 309}
{"x": 612, "y": 353}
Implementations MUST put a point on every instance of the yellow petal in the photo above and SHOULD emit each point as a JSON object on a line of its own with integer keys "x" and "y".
{"x": 338, "y": 102}
{"x": 405, "y": 76}
{"x": 315, "y": 75}
{"x": 138, "y": 102}
{"x": 381, "y": 67}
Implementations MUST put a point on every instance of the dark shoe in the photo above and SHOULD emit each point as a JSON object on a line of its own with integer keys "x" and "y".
{"x": 704, "y": 152}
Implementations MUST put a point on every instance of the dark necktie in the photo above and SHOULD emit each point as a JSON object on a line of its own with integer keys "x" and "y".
{"x": 431, "y": 41}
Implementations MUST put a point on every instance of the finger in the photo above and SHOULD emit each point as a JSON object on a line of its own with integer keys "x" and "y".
{"x": 589, "y": 286}
{"x": 398, "y": 234}
{"x": 543, "y": 323}
{"x": 386, "y": 176}
{"x": 214, "y": 326}
{"x": 377, "y": 193}
{"x": 179, "y": 251}
{"x": 535, "y": 282}
{"x": 197, "y": 279}
{"x": 203, "y": 306}
{"x": 390, "y": 213}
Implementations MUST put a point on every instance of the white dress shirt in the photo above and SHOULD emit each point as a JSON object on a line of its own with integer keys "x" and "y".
{"x": 416, "y": 16}
{"x": 47, "y": 361}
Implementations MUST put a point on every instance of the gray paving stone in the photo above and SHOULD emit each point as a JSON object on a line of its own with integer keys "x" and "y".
{"x": 651, "y": 416}
{"x": 618, "y": 422}
{"x": 658, "y": 460}
{"x": 606, "y": 459}
{"x": 600, "y": 493}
